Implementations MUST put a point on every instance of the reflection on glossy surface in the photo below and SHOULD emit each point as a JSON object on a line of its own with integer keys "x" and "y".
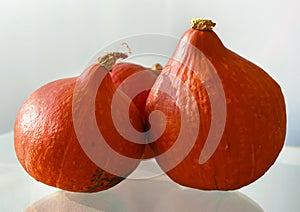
{"x": 158, "y": 194}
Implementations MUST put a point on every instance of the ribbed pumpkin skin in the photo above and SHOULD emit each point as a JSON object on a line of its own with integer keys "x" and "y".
{"x": 46, "y": 143}
{"x": 124, "y": 70}
{"x": 255, "y": 125}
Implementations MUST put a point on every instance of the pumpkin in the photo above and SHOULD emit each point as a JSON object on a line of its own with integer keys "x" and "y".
{"x": 133, "y": 79}
{"x": 224, "y": 118}
{"x": 56, "y": 133}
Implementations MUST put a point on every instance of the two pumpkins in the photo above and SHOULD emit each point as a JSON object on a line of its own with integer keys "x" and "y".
{"x": 221, "y": 125}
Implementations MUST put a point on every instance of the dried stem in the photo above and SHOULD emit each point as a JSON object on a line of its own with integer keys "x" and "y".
{"x": 202, "y": 24}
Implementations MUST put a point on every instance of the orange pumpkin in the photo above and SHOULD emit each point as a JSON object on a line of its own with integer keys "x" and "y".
{"x": 130, "y": 76}
{"x": 55, "y": 139}
{"x": 224, "y": 117}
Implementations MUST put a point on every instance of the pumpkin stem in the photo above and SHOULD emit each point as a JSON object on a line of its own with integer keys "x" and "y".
{"x": 156, "y": 68}
{"x": 202, "y": 24}
{"x": 109, "y": 59}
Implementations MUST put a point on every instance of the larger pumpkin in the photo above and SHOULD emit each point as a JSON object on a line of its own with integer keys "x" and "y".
{"x": 225, "y": 117}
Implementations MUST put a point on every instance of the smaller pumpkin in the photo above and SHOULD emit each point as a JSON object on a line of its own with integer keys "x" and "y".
{"x": 51, "y": 122}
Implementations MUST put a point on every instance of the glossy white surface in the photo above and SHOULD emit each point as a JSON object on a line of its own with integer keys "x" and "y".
{"x": 278, "y": 190}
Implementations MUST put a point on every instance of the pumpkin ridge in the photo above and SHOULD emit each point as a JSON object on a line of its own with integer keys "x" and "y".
{"x": 64, "y": 156}
{"x": 253, "y": 160}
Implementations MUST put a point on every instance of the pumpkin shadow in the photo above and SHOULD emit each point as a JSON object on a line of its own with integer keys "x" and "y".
{"x": 156, "y": 194}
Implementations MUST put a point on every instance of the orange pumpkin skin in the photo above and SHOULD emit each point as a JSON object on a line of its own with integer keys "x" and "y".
{"x": 46, "y": 142}
{"x": 255, "y": 127}
{"x": 124, "y": 70}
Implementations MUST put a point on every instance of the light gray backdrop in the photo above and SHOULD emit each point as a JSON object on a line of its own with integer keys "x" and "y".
{"x": 43, "y": 40}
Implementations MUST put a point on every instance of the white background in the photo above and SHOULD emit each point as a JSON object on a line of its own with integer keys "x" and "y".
{"x": 41, "y": 40}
